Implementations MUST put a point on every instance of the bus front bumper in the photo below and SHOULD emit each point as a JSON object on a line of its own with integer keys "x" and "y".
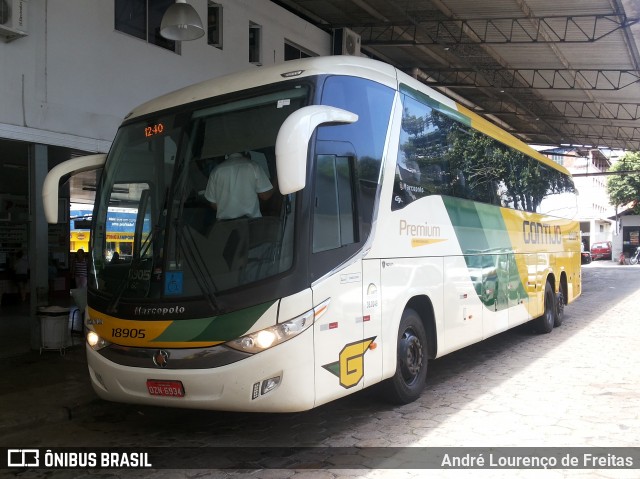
{"x": 240, "y": 386}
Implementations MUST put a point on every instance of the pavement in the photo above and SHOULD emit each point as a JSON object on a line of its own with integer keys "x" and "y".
{"x": 576, "y": 387}
{"x": 40, "y": 386}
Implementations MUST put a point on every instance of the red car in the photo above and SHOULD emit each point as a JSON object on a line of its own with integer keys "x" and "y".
{"x": 601, "y": 250}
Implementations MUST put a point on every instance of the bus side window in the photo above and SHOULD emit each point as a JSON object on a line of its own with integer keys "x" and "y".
{"x": 334, "y": 221}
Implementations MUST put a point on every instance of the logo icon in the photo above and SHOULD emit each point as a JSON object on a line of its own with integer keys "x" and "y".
{"x": 23, "y": 457}
{"x": 161, "y": 358}
{"x": 350, "y": 366}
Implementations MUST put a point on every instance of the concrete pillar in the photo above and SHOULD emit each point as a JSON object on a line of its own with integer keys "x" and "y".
{"x": 38, "y": 237}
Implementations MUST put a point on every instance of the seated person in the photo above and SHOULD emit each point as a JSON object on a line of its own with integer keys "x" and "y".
{"x": 236, "y": 187}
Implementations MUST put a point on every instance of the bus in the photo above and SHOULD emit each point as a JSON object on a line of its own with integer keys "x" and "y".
{"x": 119, "y": 230}
{"x": 402, "y": 227}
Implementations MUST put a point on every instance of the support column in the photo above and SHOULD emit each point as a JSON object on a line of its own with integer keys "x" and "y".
{"x": 38, "y": 237}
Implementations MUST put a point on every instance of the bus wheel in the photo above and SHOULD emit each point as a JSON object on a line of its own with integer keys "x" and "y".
{"x": 559, "y": 308}
{"x": 545, "y": 322}
{"x": 411, "y": 370}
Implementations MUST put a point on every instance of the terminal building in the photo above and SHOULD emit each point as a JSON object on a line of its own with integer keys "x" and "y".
{"x": 70, "y": 72}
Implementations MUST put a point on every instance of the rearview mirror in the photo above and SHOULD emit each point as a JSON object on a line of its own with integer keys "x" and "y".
{"x": 293, "y": 142}
{"x": 51, "y": 185}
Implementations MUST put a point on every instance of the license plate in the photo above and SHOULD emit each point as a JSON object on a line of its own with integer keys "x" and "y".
{"x": 157, "y": 387}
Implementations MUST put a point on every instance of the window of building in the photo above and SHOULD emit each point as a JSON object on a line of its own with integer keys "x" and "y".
{"x": 142, "y": 18}
{"x": 294, "y": 52}
{"x": 558, "y": 159}
{"x": 214, "y": 25}
{"x": 255, "y": 31}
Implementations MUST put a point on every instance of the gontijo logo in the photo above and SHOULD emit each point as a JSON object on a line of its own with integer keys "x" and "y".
{"x": 350, "y": 365}
{"x": 421, "y": 234}
{"x": 541, "y": 233}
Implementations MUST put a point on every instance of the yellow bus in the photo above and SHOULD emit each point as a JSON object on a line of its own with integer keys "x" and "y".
{"x": 402, "y": 227}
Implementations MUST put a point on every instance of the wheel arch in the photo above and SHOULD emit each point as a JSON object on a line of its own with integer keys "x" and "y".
{"x": 551, "y": 279}
{"x": 424, "y": 307}
{"x": 564, "y": 287}
{"x": 560, "y": 284}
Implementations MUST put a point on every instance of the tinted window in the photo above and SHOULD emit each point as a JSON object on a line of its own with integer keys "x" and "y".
{"x": 347, "y": 169}
{"x": 334, "y": 213}
{"x": 372, "y": 102}
{"x": 439, "y": 153}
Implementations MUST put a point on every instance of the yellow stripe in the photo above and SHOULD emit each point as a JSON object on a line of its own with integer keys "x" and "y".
{"x": 417, "y": 242}
{"x": 121, "y": 331}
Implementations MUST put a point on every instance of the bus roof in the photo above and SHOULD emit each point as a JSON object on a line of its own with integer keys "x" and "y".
{"x": 336, "y": 65}
{"x": 259, "y": 76}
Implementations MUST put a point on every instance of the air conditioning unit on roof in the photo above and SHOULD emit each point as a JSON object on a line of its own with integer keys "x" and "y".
{"x": 13, "y": 19}
{"x": 346, "y": 42}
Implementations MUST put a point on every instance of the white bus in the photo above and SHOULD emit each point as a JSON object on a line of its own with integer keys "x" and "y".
{"x": 403, "y": 227}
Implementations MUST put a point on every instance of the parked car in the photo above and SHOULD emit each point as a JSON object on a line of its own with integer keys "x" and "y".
{"x": 601, "y": 250}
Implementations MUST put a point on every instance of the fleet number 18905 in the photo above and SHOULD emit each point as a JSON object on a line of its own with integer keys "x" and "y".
{"x": 128, "y": 333}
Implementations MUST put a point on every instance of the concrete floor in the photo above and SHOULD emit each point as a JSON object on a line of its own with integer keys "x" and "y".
{"x": 14, "y": 330}
{"x": 575, "y": 387}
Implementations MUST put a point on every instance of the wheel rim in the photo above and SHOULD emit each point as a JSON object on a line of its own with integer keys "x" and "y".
{"x": 410, "y": 356}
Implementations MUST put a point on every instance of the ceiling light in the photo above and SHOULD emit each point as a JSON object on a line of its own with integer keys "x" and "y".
{"x": 181, "y": 22}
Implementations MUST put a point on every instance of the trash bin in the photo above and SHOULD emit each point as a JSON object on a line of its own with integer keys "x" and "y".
{"x": 54, "y": 328}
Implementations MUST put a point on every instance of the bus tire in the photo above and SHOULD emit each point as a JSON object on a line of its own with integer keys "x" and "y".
{"x": 407, "y": 383}
{"x": 559, "y": 317}
{"x": 544, "y": 324}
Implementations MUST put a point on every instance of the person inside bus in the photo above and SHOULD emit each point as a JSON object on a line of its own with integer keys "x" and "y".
{"x": 236, "y": 186}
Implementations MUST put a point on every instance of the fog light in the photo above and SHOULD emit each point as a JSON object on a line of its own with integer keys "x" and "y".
{"x": 269, "y": 385}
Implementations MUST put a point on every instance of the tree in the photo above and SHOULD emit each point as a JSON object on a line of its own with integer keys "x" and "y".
{"x": 624, "y": 189}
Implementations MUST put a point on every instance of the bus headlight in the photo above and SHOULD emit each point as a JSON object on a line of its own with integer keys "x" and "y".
{"x": 274, "y": 335}
{"x": 96, "y": 342}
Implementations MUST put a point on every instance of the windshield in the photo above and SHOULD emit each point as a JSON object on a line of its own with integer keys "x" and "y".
{"x": 188, "y": 203}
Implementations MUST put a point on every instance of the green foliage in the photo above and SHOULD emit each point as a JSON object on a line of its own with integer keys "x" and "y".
{"x": 475, "y": 166}
{"x": 624, "y": 189}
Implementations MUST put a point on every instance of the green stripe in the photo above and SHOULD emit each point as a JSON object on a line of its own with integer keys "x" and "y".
{"x": 436, "y": 105}
{"x": 484, "y": 240}
{"x": 217, "y": 328}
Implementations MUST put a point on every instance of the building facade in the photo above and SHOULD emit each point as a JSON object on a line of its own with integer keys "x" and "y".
{"x": 587, "y": 165}
{"x": 69, "y": 73}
